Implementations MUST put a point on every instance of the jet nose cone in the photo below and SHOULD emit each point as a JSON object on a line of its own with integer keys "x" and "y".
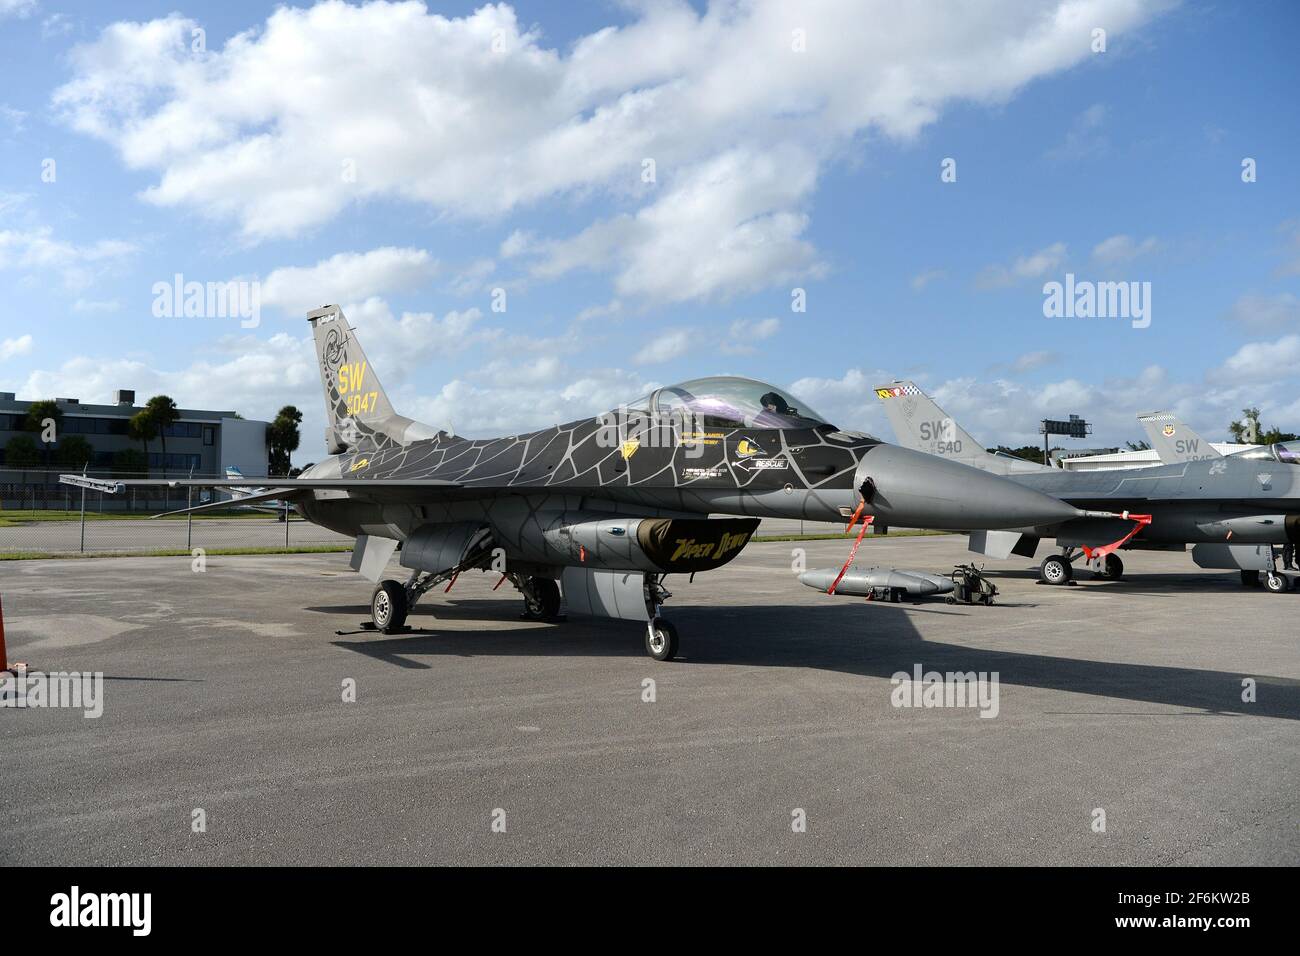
{"x": 925, "y": 491}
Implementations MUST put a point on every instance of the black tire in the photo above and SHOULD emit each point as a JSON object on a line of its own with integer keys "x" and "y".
{"x": 544, "y": 604}
{"x": 388, "y": 607}
{"x": 1250, "y": 579}
{"x": 1114, "y": 567}
{"x": 661, "y": 640}
{"x": 1276, "y": 583}
{"x": 1055, "y": 570}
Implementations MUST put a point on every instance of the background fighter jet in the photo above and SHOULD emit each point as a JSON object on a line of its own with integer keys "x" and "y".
{"x": 1231, "y": 509}
{"x": 608, "y": 505}
{"x": 1173, "y": 441}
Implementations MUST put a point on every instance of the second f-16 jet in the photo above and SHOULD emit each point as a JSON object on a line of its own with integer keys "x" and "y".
{"x": 1232, "y": 509}
{"x": 605, "y": 507}
{"x": 1173, "y": 441}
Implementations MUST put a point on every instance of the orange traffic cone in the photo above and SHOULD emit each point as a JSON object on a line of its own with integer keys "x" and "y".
{"x": 18, "y": 667}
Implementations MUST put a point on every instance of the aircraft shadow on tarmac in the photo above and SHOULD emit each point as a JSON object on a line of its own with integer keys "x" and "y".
{"x": 876, "y": 643}
{"x": 1175, "y": 585}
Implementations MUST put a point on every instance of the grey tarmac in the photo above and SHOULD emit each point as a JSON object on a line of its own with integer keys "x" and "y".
{"x": 224, "y": 692}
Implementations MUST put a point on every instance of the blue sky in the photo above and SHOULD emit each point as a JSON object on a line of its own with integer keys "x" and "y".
{"x": 519, "y": 167}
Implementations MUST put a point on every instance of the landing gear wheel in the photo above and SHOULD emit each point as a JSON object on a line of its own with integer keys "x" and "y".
{"x": 661, "y": 639}
{"x": 1250, "y": 579}
{"x": 1277, "y": 583}
{"x": 1055, "y": 570}
{"x": 542, "y": 600}
{"x": 1114, "y": 567}
{"x": 388, "y": 606}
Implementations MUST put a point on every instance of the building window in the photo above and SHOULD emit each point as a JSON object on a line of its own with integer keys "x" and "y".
{"x": 209, "y": 435}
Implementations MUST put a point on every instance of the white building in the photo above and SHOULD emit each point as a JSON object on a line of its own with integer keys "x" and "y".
{"x": 1134, "y": 459}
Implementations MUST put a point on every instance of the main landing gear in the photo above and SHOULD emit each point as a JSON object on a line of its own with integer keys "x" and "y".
{"x": 392, "y": 601}
{"x": 541, "y": 598}
{"x": 388, "y": 607}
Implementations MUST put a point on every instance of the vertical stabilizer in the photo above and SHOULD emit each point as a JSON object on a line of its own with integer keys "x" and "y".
{"x": 922, "y": 425}
{"x": 1173, "y": 441}
{"x": 359, "y": 416}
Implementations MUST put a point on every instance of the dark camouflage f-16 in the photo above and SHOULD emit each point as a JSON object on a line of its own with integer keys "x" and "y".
{"x": 608, "y": 506}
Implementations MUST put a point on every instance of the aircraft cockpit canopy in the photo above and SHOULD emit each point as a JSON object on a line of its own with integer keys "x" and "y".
{"x": 1285, "y": 452}
{"x": 725, "y": 401}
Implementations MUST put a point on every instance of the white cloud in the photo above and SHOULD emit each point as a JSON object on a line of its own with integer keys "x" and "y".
{"x": 849, "y": 401}
{"x": 20, "y": 9}
{"x": 93, "y": 305}
{"x": 1033, "y": 266}
{"x": 1085, "y": 137}
{"x": 347, "y": 277}
{"x": 743, "y": 333}
{"x": 524, "y": 397}
{"x": 1291, "y": 265}
{"x": 37, "y": 249}
{"x": 398, "y": 347}
{"x": 1001, "y": 411}
{"x": 472, "y": 277}
{"x": 1120, "y": 249}
{"x": 15, "y": 118}
{"x": 923, "y": 279}
{"x": 611, "y": 309}
{"x": 445, "y": 121}
{"x": 252, "y": 376}
{"x": 516, "y": 243}
{"x": 1262, "y": 361}
{"x": 1034, "y": 360}
{"x": 56, "y": 25}
{"x": 11, "y": 347}
{"x": 722, "y": 231}
{"x": 664, "y": 347}
{"x": 1267, "y": 313}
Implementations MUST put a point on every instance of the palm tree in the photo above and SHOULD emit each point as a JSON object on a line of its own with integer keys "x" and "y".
{"x": 282, "y": 438}
{"x": 34, "y": 421}
{"x": 144, "y": 429}
{"x": 164, "y": 413}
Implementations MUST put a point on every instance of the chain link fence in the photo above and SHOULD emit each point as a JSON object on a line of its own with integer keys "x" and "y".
{"x": 40, "y": 516}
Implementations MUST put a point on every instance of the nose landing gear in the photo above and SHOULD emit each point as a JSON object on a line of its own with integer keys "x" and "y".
{"x": 1056, "y": 569}
{"x": 660, "y": 634}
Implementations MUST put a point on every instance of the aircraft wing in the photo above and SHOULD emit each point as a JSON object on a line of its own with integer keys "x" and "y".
{"x": 289, "y": 489}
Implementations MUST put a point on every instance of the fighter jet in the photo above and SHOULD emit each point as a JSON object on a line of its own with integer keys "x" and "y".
{"x": 1231, "y": 509}
{"x": 1173, "y": 441}
{"x": 605, "y": 506}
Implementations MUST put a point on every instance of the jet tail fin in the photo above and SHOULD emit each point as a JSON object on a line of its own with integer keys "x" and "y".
{"x": 359, "y": 415}
{"x": 1173, "y": 441}
{"x": 921, "y": 425}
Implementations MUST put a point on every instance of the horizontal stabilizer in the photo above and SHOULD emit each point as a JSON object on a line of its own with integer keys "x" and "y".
{"x": 272, "y": 495}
